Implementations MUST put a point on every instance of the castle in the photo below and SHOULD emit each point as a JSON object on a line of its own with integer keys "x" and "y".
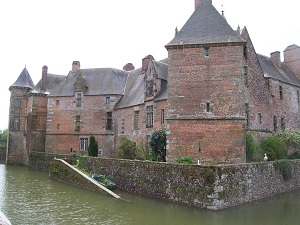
{"x": 210, "y": 91}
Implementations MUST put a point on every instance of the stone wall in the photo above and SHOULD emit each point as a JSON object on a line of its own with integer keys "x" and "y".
{"x": 212, "y": 187}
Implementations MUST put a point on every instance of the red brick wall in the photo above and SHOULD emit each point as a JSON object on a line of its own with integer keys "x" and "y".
{"x": 61, "y": 123}
{"x": 194, "y": 80}
{"x": 125, "y": 121}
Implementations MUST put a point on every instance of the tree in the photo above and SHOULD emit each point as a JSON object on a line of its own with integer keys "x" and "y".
{"x": 158, "y": 143}
{"x": 93, "y": 147}
{"x": 3, "y": 136}
{"x": 126, "y": 149}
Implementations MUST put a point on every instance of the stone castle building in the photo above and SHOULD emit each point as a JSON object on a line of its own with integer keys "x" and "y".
{"x": 210, "y": 91}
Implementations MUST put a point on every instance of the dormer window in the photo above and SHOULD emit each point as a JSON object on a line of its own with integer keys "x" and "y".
{"x": 149, "y": 87}
{"x": 107, "y": 100}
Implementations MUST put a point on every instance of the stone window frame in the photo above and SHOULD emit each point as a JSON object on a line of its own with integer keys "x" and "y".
{"x": 77, "y": 122}
{"x": 79, "y": 96}
{"x": 84, "y": 144}
{"x": 16, "y": 123}
{"x": 109, "y": 121}
{"x": 206, "y": 51}
{"x": 17, "y": 103}
{"x": 136, "y": 122}
{"x": 149, "y": 116}
{"x": 107, "y": 100}
{"x": 259, "y": 118}
{"x": 163, "y": 116}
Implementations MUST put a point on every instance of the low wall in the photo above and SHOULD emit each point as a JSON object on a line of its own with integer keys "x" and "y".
{"x": 41, "y": 160}
{"x": 212, "y": 187}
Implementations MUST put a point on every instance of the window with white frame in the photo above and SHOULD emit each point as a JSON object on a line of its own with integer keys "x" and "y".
{"x": 84, "y": 144}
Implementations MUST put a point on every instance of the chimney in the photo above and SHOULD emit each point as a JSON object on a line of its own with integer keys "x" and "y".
{"x": 128, "y": 67}
{"x": 292, "y": 59}
{"x": 75, "y": 66}
{"x": 44, "y": 78}
{"x": 198, "y": 2}
{"x": 145, "y": 62}
{"x": 275, "y": 57}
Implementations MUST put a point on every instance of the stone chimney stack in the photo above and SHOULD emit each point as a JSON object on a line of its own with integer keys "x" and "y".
{"x": 44, "y": 78}
{"x": 275, "y": 57}
{"x": 198, "y": 2}
{"x": 292, "y": 59}
{"x": 145, "y": 62}
{"x": 75, "y": 66}
{"x": 128, "y": 67}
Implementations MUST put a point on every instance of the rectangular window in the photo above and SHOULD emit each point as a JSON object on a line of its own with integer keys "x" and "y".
{"x": 149, "y": 88}
{"x": 78, "y": 99}
{"x": 298, "y": 97}
{"x": 77, "y": 126}
{"x": 18, "y": 103}
{"x": 207, "y": 106}
{"x": 84, "y": 144}
{"x": 206, "y": 51}
{"x": 149, "y": 116}
{"x": 282, "y": 119}
{"x": 259, "y": 118}
{"x": 57, "y": 102}
{"x": 246, "y": 75}
{"x": 109, "y": 121}
{"x": 280, "y": 92}
{"x": 275, "y": 123}
{"x": 162, "y": 116}
{"x": 16, "y": 123}
{"x": 107, "y": 100}
{"x": 247, "y": 115}
{"x": 137, "y": 120}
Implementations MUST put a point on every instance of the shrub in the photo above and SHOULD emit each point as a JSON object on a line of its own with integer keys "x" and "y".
{"x": 126, "y": 149}
{"x": 185, "y": 160}
{"x": 252, "y": 149}
{"x": 292, "y": 141}
{"x": 93, "y": 147}
{"x": 158, "y": 142}
{"x": 274, "y": 147}
{"x": 285, "y": 168}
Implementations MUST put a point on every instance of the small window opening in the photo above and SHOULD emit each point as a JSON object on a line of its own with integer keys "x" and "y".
{"x": 207, "y": 106}
{"x": 280, "y": 92}
{"x": 206, "y": 51}
{"x": 107, "y": 100}
{"x": 282, "y": 119}
{"x": 57, "y": 102}
{"x": 162, "y": 116}
{"x": 275, "y": 123}
{"x": 77, "y": 126}
{"x": 259, "y": 118}
{"x": 109, "y": 121}
{"x": 247, "y": 115}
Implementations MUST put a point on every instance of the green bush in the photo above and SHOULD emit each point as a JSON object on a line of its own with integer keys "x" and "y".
{"x": 285, "y": 168}
{"x": 252, "y": 149}
{"x": 126, "y": 149}
{"x": 93, "y": 147}
{"x": 158, "y": 142}
{"x": 292, "y": 141}
{"x": 185, "y": 160}
{"x": 274, "y": 147}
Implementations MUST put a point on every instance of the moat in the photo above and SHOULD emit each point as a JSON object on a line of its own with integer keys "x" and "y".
{"x": 30, "y": 197}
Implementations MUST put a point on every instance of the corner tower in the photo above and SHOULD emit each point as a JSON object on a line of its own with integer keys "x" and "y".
{"x": 16, "y": 150}
{"x": 206, "y": 89}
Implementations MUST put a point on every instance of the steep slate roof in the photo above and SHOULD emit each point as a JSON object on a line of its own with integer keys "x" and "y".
{"x": 24, "y": 80}
{"x": 99, "y": 81}
{"x": 205, "y": 26}
{"x": 53, "y": 81}
{"x": 270, "y": 70}
{"x": 135, "y": 91}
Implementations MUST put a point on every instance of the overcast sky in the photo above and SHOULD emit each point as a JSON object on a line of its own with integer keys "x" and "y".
{"x": 102, "y": 33}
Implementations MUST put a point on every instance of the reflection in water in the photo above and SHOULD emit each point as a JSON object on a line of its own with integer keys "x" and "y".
{"x": 30, "y": 197}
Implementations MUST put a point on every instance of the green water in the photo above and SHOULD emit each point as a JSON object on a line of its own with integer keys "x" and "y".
{"x": 30, "y": 197}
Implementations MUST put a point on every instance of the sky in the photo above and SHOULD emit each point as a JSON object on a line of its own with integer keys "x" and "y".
{"x": 109, "y": 34}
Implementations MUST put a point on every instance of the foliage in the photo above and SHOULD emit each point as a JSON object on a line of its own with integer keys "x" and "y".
{"x": 274, "y": 147}
{"x": 3, "y": 136}
{"x": 252, "y": 149}
{"x": 285, "y": 168}
{"x": 126, "y": 149}
{"x": 158, "y": 142}
{"x": 93, "y": 147}
{"x": 292, "y": 141}
{"x": 185, "y": 160}
{"x": 142, "y": 152}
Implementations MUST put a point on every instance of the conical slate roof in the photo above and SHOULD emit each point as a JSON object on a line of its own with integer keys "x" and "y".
{"x": 24, "y": 80}
{"x": 205, "y": 26}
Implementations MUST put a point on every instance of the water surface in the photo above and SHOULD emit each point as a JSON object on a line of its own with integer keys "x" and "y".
{"x": 30, "y": 197}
